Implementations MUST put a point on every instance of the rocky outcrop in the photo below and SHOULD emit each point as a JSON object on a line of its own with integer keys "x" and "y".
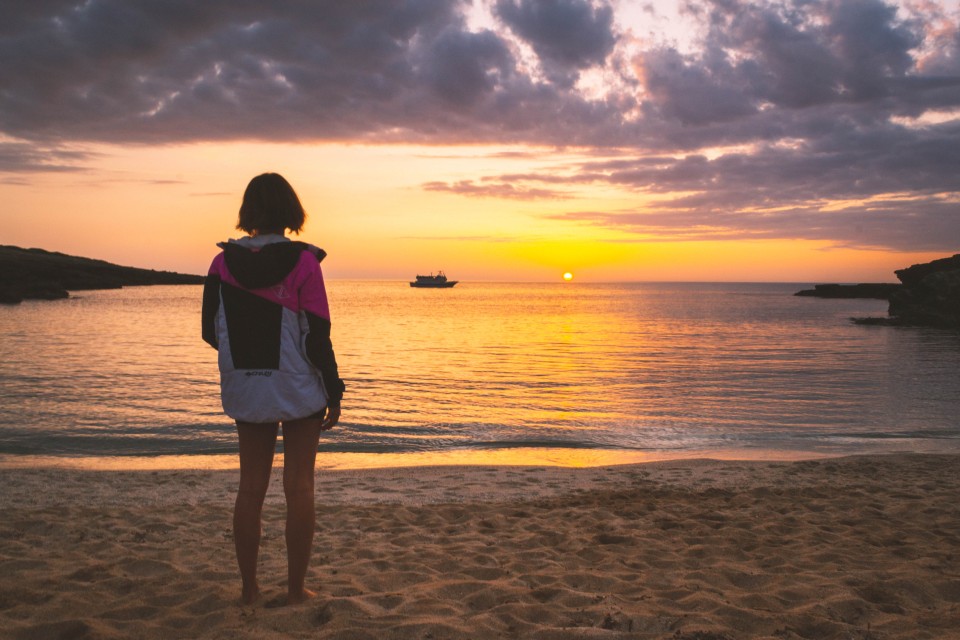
{"x": 35, "y": 274}
{"x": 930, "y": 296}
{"x": 881, "y": 291}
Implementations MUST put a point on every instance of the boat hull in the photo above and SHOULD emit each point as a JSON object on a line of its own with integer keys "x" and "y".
{"x": 433, "y": 285}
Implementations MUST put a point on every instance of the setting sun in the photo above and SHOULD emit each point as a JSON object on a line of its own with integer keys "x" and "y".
{"x": 568, "y": 276}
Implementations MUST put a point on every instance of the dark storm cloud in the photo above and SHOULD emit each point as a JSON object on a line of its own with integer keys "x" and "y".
{"x": 851, "y": 164}
{"x": 411, "y": 70}
{"x": 888, "y": 187}
{"x": 463, "y": 69}
{"x": 158, "y": 70}
{"x": 172, "y": 70}
{"x": 894, "y": 188}
{"x": 817, "y": 91}
{"x": 695, "y": 92}
{"x": 760, "y": 56}
{"x": 922, "y": 224}
{"x": 567, "y": 35}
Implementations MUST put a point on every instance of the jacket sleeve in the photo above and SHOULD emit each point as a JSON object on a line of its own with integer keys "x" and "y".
{"x": 319, "y": 347}
{"x": 211, "y": 304}
{"x": 320, "y": 352}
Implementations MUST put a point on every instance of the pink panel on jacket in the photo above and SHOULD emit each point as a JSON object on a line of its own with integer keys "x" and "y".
{"x": 313, "y": 292}
{"x": 305, "y": 278}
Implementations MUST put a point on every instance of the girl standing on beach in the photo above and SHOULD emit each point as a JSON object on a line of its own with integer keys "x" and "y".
{"x": 265, "y": 311}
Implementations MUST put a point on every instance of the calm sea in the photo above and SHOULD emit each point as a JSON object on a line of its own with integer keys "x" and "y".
{"x": 661, "y": 369}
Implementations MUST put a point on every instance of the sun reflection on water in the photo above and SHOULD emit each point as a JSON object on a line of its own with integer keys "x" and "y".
{"x": 565, "y": 373}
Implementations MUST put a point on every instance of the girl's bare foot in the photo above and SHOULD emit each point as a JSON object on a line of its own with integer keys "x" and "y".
{"x": 302, "y": 596}
{"x": 251, "y": 595}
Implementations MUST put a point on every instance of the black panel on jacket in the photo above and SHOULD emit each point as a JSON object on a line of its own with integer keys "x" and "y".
{"x": 266, "y": 266}
{"x": 253, "y": 326}
{"x": 320, "y": 352}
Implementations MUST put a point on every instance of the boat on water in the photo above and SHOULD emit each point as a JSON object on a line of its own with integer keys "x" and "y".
{"x": 431, "y": 281}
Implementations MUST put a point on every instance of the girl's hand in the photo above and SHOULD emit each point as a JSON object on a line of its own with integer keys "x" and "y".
{"x": 331, "y": 419}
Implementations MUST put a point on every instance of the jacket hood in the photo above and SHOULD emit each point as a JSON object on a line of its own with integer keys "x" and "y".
{"x": 263, "y": 261}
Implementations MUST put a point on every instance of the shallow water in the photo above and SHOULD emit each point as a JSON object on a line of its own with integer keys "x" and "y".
{"x": 669, "y": 369}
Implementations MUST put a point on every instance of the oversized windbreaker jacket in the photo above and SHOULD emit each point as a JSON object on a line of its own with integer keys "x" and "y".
{"x": 265, "y": 311}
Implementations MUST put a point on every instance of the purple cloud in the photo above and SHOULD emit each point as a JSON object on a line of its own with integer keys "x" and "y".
{"x": 110, "y": 70}
{"x": 504, "y": 190}
{"x": 567, "y": 35}
{"x": 824, "y": 99}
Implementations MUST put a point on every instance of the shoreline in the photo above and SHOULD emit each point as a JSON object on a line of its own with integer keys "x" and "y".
{"x": 849, "y": 547}
{"x": 561, "y": 457}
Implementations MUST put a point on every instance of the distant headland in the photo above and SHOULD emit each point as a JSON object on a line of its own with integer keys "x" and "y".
{"x": 36, "y": 274}
{"x": 881, "y": 291}
{"x": 928, "y": 296}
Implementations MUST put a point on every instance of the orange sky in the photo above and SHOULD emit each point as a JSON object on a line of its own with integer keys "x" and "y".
{"x": 166, "y": 207}
{"x": 496, "y": 140}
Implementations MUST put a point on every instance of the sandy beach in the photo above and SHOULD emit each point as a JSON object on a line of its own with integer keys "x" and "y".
{"x": 859, "y": 547}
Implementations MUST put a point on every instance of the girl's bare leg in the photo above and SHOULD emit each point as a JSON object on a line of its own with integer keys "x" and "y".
{"x": 257, "y": 444}
{"x": 300, "y": 439}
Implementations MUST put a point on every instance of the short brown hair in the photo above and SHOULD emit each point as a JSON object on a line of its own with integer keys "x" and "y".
{"x": 270, "y": 204}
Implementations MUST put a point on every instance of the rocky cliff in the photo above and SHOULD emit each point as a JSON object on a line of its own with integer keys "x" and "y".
{"x": 881, "y": 291}
{"x": 46, "y": 275}
{"x": 930, "y": 295}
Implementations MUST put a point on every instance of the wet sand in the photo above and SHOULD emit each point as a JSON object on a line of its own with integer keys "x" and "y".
{"x": 860, "y": 547}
